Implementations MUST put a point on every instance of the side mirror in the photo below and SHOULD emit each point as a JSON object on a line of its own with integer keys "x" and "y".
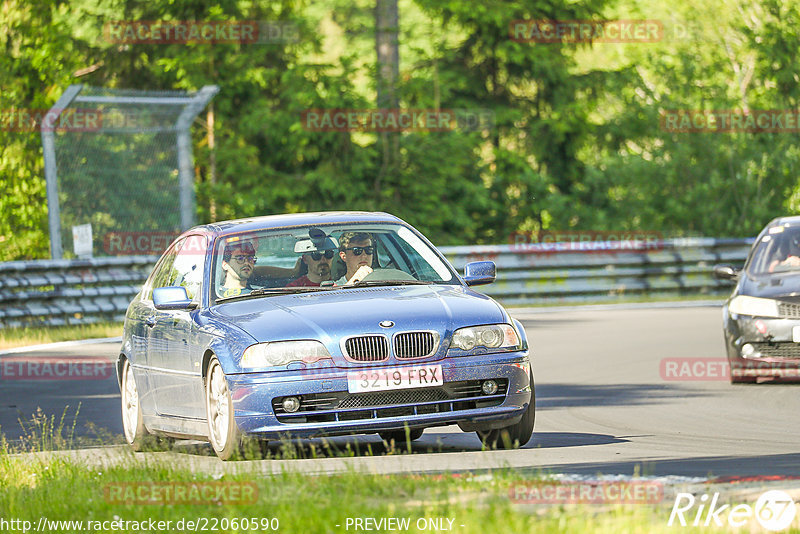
{"x": 172, "y": 298}
{"x": 480, "y": 272}
{"x": 724, "y": 271}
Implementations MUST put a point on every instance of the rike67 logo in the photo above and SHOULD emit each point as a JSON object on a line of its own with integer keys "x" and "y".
{"x": 774, "y": 510}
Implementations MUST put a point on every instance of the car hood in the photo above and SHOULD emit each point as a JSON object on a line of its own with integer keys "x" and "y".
{"x": 774, "y": 286}
{"x": 331, "y": 315}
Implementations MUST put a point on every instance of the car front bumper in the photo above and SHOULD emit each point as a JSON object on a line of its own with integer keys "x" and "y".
{"x": 257, "y": 411}
{"x": 762, "y": 346}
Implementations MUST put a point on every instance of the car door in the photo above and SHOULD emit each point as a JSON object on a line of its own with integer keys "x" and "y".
{"x": 176, "y": 358}
{"x": 144, "y": 346}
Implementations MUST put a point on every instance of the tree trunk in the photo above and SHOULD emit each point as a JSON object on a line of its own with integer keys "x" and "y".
{"x": 212, "y": 162}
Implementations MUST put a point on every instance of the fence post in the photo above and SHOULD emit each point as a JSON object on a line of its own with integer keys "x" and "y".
{"x": 51, "y": 169}
{"x": 185, "y": 157}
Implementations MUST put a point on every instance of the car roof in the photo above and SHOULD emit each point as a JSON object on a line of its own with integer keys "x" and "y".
{"x": 295, "y": 219}
{"x": 785, "y": 221}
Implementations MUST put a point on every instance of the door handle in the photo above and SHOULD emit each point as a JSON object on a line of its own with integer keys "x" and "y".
{"x": 150, "y": 321}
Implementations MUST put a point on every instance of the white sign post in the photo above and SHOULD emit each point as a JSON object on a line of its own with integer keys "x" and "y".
{"x": 82, "y": 240}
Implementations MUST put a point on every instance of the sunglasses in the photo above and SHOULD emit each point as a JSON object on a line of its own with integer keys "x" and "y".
{"x": 358, "y": 250}
{"x": 242, "y": 258}
{"x": 316, "y": 256}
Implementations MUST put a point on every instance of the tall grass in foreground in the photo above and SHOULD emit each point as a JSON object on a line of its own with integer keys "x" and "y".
{"x": 61, "y": 490}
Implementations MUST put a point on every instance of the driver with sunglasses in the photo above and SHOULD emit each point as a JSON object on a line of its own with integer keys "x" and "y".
{"x": 318, "y": 258}
{"x": 356, "y": 250}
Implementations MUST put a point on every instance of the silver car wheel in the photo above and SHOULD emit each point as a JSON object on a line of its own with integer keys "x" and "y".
{"x": 132, "y": 422}
{"x": 218, "y": 406}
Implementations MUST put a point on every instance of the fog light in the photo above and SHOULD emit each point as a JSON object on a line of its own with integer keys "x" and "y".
{"x": 747, "y": 350}
{"x": 489, "y": 387}
{"x": 291, "y": 404}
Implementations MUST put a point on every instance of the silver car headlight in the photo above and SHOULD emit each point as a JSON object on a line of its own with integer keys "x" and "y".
{"x": 277, "y": 353}
{"x": 491, "y": 336}
{"x": 757, "y": 307}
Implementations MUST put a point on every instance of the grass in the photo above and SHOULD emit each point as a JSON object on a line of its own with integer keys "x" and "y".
{"x": 62, "y": 490}
{"x": 22, "y": 336}
{"x": 143, "y": 490}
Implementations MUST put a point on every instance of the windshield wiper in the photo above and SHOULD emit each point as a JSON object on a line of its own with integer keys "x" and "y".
{"x": 367, "y": 283}
{"x": 268, "y": 291}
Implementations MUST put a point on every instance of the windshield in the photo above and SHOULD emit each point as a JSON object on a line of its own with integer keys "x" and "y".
{"x": 323, "y": 257}
{"x": 778, "y": 251}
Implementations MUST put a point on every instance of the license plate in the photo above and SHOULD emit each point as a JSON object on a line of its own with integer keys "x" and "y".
{"x": 394, "y": 378}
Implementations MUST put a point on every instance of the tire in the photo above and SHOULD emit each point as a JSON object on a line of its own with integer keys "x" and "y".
{"x": 223, "y": 434}
{"x": 516, "y": 435}
{"x": 399, "y": 436}
{"x": 132, "y": 421}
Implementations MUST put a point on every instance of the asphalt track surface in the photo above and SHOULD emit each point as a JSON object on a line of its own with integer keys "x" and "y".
{"x": 603, "y": 406}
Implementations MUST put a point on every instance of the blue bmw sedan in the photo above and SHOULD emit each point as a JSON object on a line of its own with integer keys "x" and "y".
{"x": 318, "y": 324}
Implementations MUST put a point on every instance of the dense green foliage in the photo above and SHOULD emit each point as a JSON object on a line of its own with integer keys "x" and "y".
{"x": 577, "y": 141}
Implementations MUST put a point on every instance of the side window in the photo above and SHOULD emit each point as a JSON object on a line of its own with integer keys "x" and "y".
{"x": 161, "y": 276}
{"x": 187, "y": 271}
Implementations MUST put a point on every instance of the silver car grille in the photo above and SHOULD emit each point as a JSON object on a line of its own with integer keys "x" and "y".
{"x": 336, "y": 406}
{"x": 415, "y": 344}
{"x": 778, "y": 350}
{"x": 367, "y": 348}
{"x": 789, "y": 310}
{"x": 394, "y": 397}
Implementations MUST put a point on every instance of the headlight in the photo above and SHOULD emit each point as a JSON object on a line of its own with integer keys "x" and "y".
{"x": 284, "y": 352}
{"x": 757, "y": 307}
{"x": 492, "y": 336}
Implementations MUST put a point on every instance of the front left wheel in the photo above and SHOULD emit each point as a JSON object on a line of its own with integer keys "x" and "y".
{"x": 516, "y": 435}
{"x": 132, "y": 423}
{"x": 223, "y": 434}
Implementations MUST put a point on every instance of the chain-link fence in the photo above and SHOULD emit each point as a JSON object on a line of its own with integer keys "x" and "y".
{"x": 120, "y": 161}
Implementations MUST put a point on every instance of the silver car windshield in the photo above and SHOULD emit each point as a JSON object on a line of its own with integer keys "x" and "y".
{"x": 778, "y": 251}
{"x": 324, "y": 257}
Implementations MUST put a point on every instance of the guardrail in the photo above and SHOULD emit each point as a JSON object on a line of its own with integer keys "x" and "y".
{"x": 57, "y": 292}
{"x": 547, "y": 273}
